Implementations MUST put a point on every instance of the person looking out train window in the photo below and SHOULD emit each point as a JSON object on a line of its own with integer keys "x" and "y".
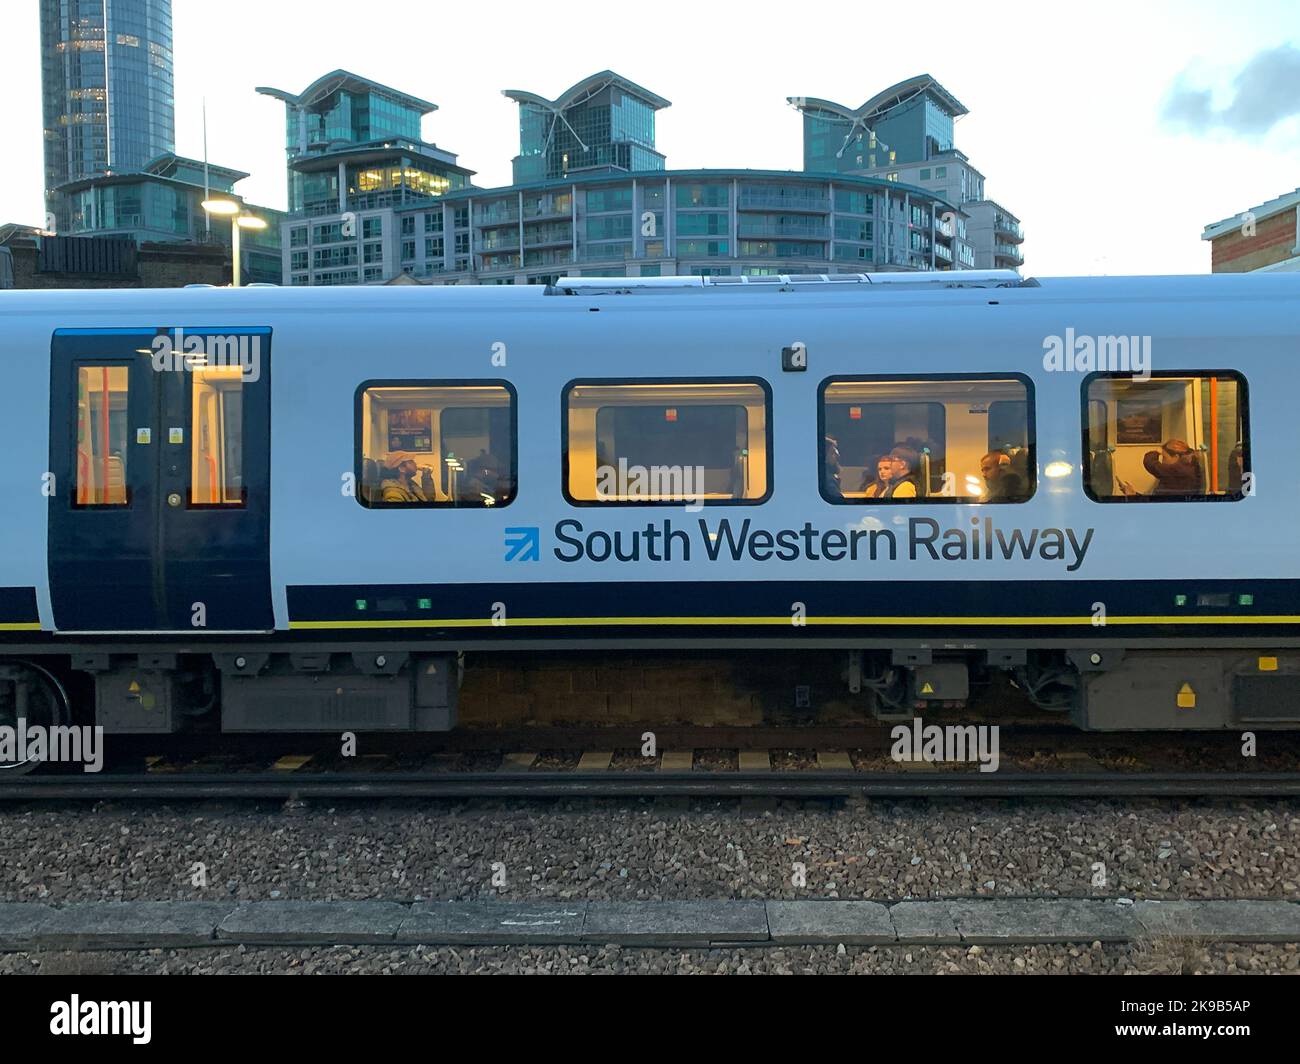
{"x": 831, "y": 468}
{"x": 1001, "y": 481}
{"x": 876, "y": 488}
{"x": 484, "y": 482}
{"x": 1177, "y": 469}
{"x": 906, "y": 483}
{"x": 405, "y": 480}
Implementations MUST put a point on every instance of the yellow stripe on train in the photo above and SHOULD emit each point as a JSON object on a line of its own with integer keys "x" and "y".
{"x": 627, "y": 622}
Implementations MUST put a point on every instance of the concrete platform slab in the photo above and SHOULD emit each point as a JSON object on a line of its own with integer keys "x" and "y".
{"x": 132, "y": 925}
{"x": 924, "y": 922}
{"x": 1041, "y": 920}
{"x": 494, "y": 923}
{"x": 1223, "y": 921}
{"x": 20, "y": 923}
{"x": 307, "y": 922}
{"x": 821, "y": 922}
{"x": 676, "y": 922}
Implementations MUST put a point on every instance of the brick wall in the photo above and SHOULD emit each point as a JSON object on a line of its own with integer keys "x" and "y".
{"x": 1274, "y": 241}
{"x": 158, "y": 266}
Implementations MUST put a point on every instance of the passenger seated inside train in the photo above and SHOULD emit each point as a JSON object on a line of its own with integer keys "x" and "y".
{"x": 1001, "y": 481}
{"x": 1175, "y": 437}
{"x": 485, "y": 481}
{"x": 830, "y": 467}
{"x": 896, "y": 476}
{"x": 404, "y": 480}
{"x": 884, "y": 473}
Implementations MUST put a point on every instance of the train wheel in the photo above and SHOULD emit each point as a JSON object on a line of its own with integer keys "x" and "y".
{"x": 30, "y": 696}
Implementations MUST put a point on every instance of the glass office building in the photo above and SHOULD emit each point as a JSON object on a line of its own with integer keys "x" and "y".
{"x": 718, "y": 223}
{"x": 603, "y": 124}
{"x": 163, "y": 203}
{"x": 905, "y": 134}
{"x": 348, "y": 138}
{"x": 107, "y": 90}
{"x": 908, "y": 122}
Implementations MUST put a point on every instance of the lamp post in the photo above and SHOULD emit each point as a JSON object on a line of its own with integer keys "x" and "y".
{"x": 238, "y": 220}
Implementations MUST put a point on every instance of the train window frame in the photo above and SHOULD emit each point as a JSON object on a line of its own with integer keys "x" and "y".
{"x": 1031, "y": 431}
{"x": 358, "y": 457}
{"x": 615, "y": 382}
{"x": 1243, "y": 402}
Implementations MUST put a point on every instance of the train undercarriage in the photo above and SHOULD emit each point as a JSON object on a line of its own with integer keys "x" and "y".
{"x": 378, "y": 689}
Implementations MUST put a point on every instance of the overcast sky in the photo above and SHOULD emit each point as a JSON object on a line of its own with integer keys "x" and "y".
{"x": 1115, "y": 130}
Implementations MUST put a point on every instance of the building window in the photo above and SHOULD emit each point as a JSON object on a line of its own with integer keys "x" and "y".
{"x": 609, "y": 227}
{"x": 433, "y": 247}
{"x": 1177, "y": 437}
{"x": 298, "y": 236}
{"x": 927, "y": 439}
{"x": 408, "y": 225}
{"x": 610, "y": 199}
{"x": 372, "y": 228}
{"x": 436, "y": 444}
{"x": 461, "y": 219}
{"x": 433, "y": 222}
{"x": 703, "y": 195}
{"x": 703, "y": 247}
{"x": 408, "y": 250}
{"x": 667, "y": 442}
{"x": 703, "y": 224}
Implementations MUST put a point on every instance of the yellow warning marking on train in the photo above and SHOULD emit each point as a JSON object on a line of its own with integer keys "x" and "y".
{"x": 1268, "y": 664}
{"x": 1186, "y": 697}
{"x": 927, "y": 688}
{"x": 20, "y": 626}
{"x": 598, "y": 622}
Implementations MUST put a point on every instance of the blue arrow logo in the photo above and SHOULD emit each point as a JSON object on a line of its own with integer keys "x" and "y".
{"x": 524, "y": 544}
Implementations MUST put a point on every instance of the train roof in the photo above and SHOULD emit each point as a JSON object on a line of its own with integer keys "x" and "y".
{"x": 971, "y": 286}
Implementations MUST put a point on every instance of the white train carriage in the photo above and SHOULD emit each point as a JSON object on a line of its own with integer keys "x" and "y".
{"x": 299, "y": 506}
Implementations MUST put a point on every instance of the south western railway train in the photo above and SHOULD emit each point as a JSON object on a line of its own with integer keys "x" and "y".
{"x": 300, "y": 509}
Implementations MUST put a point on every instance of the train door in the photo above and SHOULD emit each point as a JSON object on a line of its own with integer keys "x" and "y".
{"x": 159, "y": 513}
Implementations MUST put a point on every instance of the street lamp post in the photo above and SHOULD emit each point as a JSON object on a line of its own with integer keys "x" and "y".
{"x": 238, "y": 220}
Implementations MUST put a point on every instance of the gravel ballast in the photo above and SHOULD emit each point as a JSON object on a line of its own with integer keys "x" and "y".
{"x": 626, "y": 851}
{"x": 1172, "y": 958}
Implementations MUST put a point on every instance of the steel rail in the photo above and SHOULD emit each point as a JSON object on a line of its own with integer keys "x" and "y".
{"x": 804, "y": 783}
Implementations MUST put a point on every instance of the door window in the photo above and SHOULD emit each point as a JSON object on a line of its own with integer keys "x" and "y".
{"x": 102, "y": 427}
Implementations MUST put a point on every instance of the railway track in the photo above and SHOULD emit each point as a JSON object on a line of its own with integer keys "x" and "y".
{"x": 616, "y": 784}
{"x": 813, "y": 762}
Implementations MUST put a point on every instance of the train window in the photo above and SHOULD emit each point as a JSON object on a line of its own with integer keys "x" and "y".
{"x": 216, "y": 437}
{"x": 1177, "y": 437}
{"x": 436, "y": 443}
{"x": 667, "y": 442}
{"x": 102, "y": 426}
{"x": 931, "y": 439}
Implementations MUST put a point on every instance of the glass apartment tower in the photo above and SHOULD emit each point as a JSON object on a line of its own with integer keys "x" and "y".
{"x": 107, "y": 90}
{"x": 603, "y": 124}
